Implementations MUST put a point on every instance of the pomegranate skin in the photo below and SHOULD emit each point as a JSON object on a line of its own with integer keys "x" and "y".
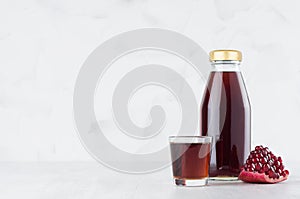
{"x": 255, "y": 177}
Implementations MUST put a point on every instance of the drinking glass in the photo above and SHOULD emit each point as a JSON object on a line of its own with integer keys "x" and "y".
{"x": 190, "y": 159}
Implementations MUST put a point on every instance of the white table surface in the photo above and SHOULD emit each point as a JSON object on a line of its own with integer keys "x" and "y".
{"x": 92, "y": 180}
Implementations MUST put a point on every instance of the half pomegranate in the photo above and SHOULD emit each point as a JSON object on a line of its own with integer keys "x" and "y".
{"x": 262, "y": 166}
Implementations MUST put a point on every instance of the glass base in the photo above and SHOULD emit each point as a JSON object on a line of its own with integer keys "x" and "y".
{"x": 191, "y": 182}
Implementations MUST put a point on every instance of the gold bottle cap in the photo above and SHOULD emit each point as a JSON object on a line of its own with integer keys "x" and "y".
{"x": 225, "y": 55}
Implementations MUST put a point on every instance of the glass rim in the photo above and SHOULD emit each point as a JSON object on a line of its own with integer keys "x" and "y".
{"x": 190, "y": 139}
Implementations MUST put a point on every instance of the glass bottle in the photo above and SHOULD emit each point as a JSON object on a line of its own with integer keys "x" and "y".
{"x": 225, "y": 115}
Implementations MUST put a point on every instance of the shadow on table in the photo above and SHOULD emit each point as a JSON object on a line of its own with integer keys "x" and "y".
{"x": 225, "y": 183}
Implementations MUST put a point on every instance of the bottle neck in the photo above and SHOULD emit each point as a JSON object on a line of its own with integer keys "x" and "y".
{"x": 226, "y": 66}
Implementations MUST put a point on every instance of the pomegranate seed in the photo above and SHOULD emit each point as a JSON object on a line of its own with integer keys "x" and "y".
{"x": 286, "y": 172}
{"x": 272, "y": 156}
{"x": 277, "y": 163}
{"x": 258, "y": 167}
{"x": 279, "y": 171}
{"x": 281, "y": 167}
{"x": 259, "y": 155}
{"x": 266, "y": 167}
{"x": 263, "y": 160}
{"x": 271, "y": 174}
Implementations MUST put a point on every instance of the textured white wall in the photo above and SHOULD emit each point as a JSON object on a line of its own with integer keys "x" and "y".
{"x": 43, "y": 44}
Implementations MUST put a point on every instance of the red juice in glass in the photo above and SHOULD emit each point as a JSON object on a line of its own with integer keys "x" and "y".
{"x": 190, "y": 159}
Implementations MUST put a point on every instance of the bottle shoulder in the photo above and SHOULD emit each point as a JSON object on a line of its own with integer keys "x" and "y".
{"x": 226, "y": 87}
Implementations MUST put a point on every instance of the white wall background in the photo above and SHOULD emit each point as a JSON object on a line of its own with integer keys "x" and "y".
{"x": 44, "y": 42}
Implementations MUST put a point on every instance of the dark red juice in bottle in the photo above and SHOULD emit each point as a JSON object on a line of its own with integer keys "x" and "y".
{"x": 225, "y": 115}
